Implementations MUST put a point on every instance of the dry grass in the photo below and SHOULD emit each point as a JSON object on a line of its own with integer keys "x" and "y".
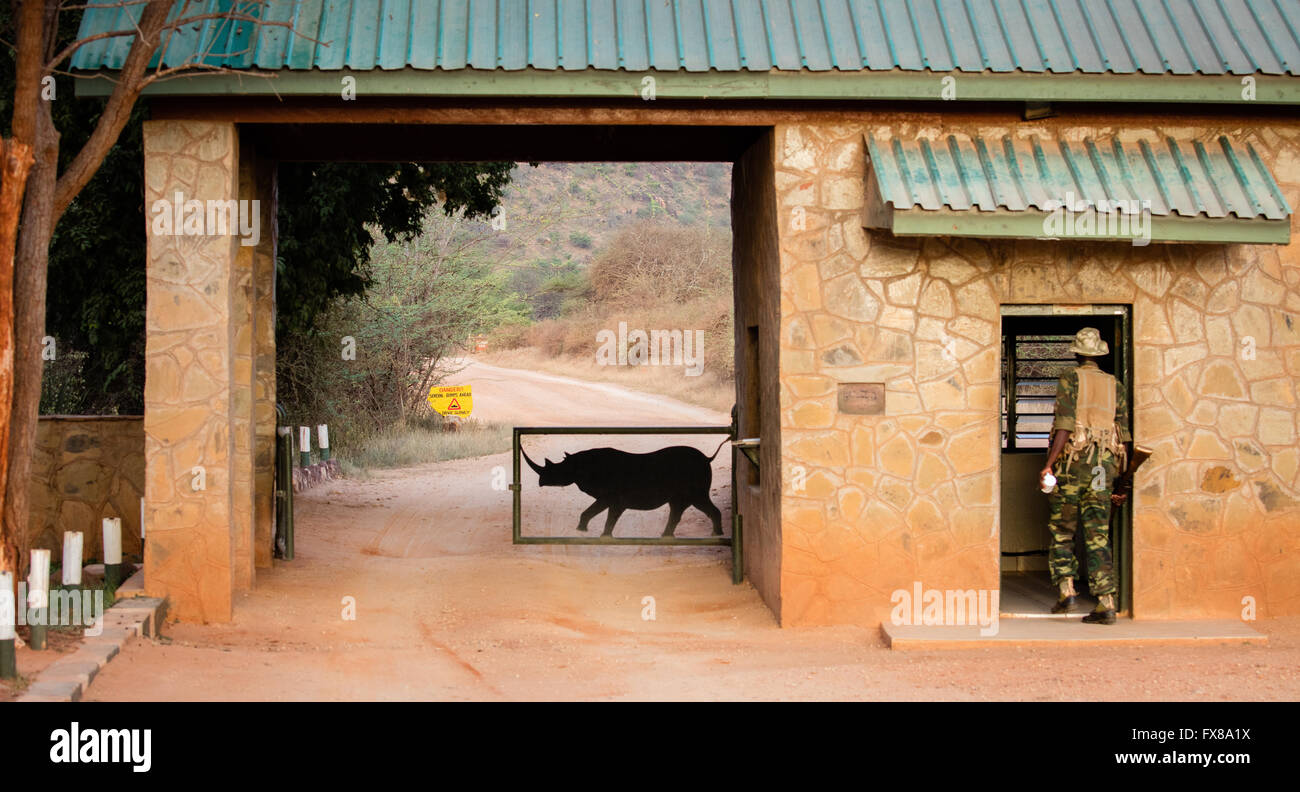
{"x": 649, "y": 278}
{"x": 404, "y": 445}
{"x": 576, "y": 333}
{"x": 703, "y": 391}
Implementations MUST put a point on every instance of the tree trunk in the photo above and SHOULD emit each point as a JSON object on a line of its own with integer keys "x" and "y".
{"x": 31, "y": 121}
{"x": 29, "y": 323}
{"x": 15, "y": 163}
{"x": 46, "y": 199}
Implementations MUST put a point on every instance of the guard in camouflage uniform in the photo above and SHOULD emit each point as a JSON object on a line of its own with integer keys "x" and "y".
{"x": 1091, "y": 429}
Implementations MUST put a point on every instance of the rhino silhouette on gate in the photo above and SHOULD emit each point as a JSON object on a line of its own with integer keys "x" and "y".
{"x": 679, "y": 476}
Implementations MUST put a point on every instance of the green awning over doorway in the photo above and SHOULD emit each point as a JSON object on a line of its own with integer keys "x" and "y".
{"x": 1129, "y": 188}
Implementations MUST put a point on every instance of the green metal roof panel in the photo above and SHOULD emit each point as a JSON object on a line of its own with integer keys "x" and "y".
{"x": 1000, "y": 36}
{"x": 1207, "y": 179}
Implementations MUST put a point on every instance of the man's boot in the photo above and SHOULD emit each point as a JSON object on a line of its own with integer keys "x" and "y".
{"x": 1105, "y": 612}
{"x": 1066, "y": 600}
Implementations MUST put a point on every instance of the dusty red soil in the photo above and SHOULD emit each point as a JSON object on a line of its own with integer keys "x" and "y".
{"x": 57, "y": 644}
{"x": 448, "y": 608}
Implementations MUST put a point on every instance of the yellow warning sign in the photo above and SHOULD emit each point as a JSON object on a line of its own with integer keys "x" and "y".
{"x": 451, "y": 400}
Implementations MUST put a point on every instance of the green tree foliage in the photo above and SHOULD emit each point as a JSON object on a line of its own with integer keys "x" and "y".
{"x": 428, "y": 295}
{"x": 63, "y": 385}
{"x": 326, "y": 212}
{"x": 96, "y": 300}
{"x": 548, "y": 286}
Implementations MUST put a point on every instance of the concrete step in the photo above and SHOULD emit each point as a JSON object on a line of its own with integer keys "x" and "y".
{"x": 1073, "y": 632}
{"x": 67, "y": 678}
{"x": 131, "y": 587}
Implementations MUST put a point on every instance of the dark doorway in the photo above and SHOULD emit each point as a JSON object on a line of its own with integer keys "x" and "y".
{"x": 1035, "y": 353}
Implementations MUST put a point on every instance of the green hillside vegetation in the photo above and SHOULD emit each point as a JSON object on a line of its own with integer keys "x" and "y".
{"x": 573, "y": 251}
{"x": 372, "y": 358}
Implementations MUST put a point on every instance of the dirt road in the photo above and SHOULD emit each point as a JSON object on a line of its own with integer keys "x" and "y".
{"x": 532, "y": 398}
{"x": 447, "y": 608}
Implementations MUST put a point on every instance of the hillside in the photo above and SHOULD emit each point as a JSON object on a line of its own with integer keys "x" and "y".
{"x": 579, "y": 206}
{"x": 590, "y": 245}
{"x": 557, "y": 217}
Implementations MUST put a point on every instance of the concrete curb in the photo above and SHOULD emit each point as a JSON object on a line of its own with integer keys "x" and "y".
{"x": 304, "y": 478}
{"x": 67, "y": 678}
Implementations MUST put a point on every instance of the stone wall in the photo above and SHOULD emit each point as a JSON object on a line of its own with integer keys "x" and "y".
{"x": 190, "y": 365}
{"x": 86, "y": 468}
{"x": 304, "y": 478}
{"x": 209, "y": 391}
{"x": 912, "y": 495}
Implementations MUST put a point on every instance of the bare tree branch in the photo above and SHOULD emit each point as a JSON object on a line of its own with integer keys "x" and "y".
{"x": 152, "y": 31}
{"x": 117, "y": 111}
{"x": 175, "y": 25}
{"x": 79, "y": 43}
{"x": 88, "y": 6}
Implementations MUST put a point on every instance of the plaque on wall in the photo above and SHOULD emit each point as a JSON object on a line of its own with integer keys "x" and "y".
{"x": 862, "y": 398}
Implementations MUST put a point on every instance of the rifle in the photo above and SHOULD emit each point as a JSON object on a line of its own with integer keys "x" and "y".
{"x": 1124, "y": 482}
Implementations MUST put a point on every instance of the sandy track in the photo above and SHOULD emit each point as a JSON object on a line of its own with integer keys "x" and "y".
{"x": 532, "y": 398}
{"x": 448, "y": 608}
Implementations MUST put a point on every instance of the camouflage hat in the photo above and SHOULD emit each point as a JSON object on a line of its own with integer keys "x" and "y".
{"x": 1087, "y": 342}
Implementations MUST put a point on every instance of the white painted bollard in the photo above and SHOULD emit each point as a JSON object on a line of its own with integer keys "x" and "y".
{"x": 38, "y": 597}
{"x": 112, "y": 551}
{"x": 38, "y": 580}
{"x": 112, "y": 540}
{"x": 304, "y": 445}
{"x": 8, "y": 620}
{"x": 8, "y": 613}
{"x": 323, "y": 441}
{"x": 73, "y": 541}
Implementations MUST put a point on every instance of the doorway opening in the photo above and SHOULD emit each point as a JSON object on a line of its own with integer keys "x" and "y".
{"x": 1035, "y": 353}
{"x": 612, "y": 269}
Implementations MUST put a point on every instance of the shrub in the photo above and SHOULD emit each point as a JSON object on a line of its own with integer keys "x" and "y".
{"x": 63, "y": 385}
{"x": 429, "y": 295}
{"x": 419, "y": 442}
{"x": 511, "y": 335}
{"x": 650, "y": 264}
{"x": 548, "y": 336}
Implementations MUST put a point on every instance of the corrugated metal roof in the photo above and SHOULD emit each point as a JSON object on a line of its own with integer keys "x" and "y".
{"x": 1043, "y": 36}
{"x": 1198, "y": 179}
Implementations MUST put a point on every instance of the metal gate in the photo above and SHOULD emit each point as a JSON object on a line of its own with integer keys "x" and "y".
{"x": 282, "y": 543}
{"x": 733, "y": 541}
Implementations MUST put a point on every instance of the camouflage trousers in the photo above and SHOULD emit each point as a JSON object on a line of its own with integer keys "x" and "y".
{"x": 1082, "y": 498}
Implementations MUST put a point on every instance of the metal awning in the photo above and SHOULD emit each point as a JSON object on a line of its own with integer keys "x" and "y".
{"x": 997, "y": 50}
{"x": 1189, "y": 37}
{"x": 1124, "y": 188}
